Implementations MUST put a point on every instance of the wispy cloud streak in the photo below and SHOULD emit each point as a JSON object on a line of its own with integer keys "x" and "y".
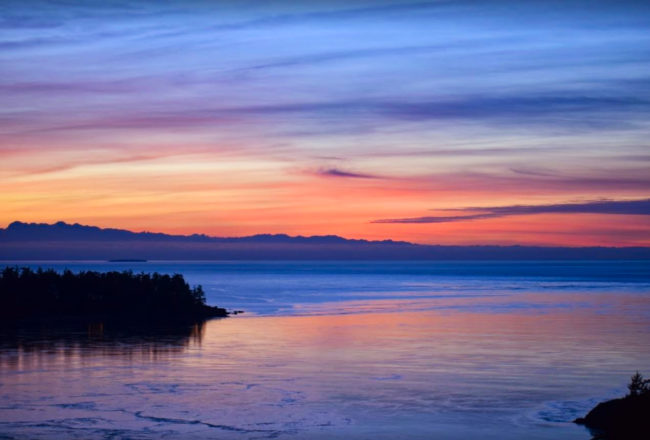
{"x": 335, "y": 172}
{"x": 616, "y": 207}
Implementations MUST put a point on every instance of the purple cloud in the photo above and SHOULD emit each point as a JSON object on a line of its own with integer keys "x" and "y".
{"x": 618, "y": 207}
{"x": 335, "y": 172}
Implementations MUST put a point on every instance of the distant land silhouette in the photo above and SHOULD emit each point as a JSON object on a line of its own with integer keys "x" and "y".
{"x": 64, "y": 241}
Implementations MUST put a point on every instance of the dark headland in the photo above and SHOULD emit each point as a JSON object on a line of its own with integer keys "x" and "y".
{"x": 622, "y": 419}
{"x": 46, "y": 295}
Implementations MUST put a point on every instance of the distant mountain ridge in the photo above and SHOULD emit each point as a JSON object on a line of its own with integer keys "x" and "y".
{"x": 61, "y": 241}
{"x": 61, "y": 230}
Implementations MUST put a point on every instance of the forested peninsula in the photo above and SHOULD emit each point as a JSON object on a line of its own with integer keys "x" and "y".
{"x": 37, "y": 295}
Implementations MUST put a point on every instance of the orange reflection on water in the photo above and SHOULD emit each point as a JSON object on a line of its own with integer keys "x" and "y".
{"x": 385, "y": 344}
{"x": 449, "y": 373}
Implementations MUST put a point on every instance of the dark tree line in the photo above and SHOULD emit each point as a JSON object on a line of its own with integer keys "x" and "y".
{"x": 38, "y": 294}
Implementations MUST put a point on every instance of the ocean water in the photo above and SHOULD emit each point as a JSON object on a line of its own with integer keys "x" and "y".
{"x": 359, "y": 350}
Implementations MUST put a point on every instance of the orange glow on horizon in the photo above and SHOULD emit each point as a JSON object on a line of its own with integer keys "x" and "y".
{"x": 242, "y": 194}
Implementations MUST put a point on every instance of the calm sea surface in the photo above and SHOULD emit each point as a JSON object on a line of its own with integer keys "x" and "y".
{"x": 358, "y": 350}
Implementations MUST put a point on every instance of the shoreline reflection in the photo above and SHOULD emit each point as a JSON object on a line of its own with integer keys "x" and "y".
{"x": 25, "y": 346}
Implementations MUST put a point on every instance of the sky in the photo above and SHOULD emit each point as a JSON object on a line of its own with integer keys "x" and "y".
{"x": 442, "y": 122}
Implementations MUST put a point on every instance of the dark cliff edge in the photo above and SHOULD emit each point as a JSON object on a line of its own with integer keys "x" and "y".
{"x": 34, "y": 297}
{"x": 622, "y": 419}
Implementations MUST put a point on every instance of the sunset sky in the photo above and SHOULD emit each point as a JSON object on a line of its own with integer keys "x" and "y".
{"x": 450, "y": 122}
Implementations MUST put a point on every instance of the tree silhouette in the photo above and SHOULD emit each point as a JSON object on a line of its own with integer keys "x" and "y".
{"x": 638, "y": 385}
{"x": 29, "y": 294}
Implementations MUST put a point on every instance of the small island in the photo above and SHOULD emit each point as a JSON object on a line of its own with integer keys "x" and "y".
{"x": 28, "y": 295}
{"x": 127, "y": 260}
{"x": 624, "y": 418}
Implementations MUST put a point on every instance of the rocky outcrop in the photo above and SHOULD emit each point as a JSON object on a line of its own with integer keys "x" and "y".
{"x": 620, "y": 419}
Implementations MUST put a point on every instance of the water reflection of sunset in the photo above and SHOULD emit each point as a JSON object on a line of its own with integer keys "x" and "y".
{"x": 342, "y": 375}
